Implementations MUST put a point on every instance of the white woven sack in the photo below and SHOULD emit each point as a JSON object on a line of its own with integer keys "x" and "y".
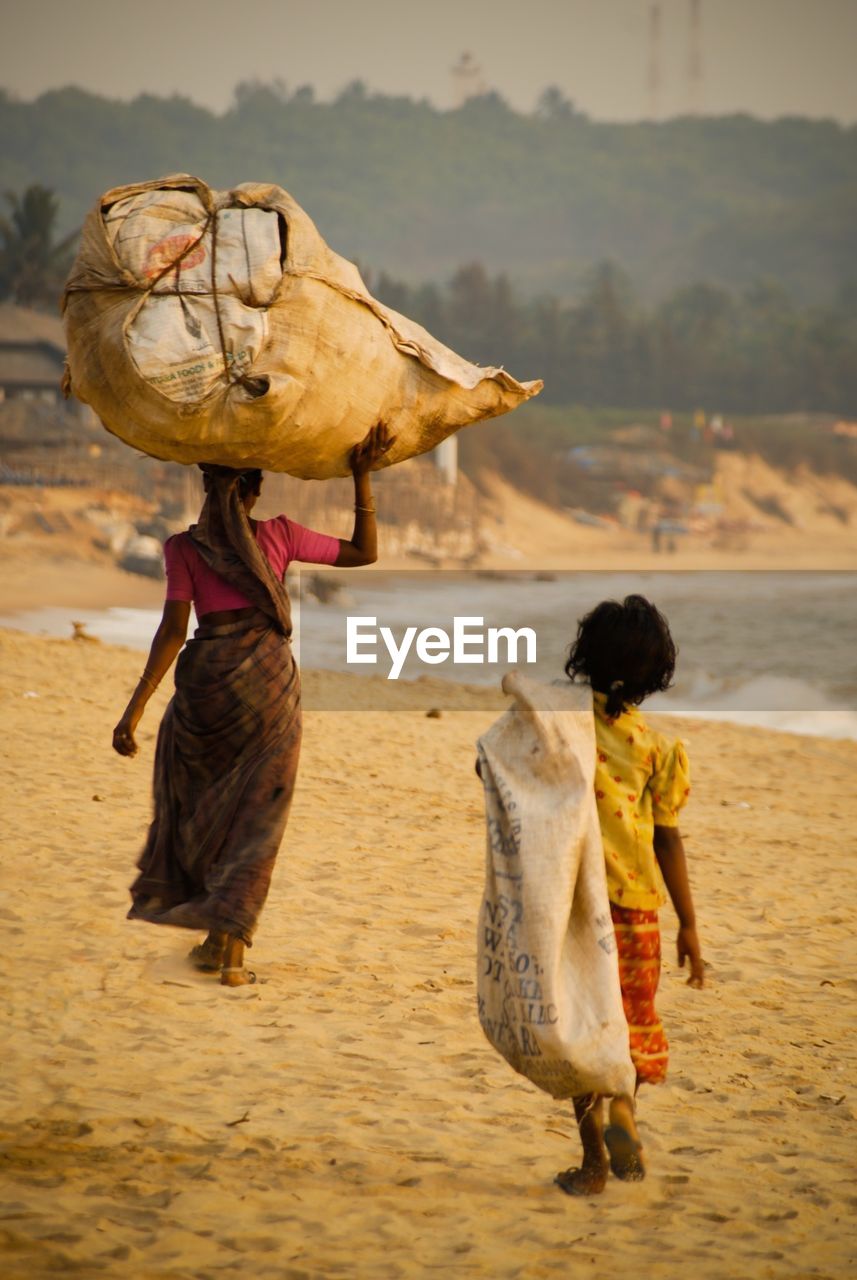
{"x": 217, "y": 326}
{"x": 548, "y": 977}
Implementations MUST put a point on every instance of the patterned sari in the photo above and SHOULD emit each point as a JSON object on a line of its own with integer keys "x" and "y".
{"x": 228, "y": 745}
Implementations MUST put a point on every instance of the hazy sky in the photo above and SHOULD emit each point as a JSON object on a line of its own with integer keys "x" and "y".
{"x": 768, "y": 57}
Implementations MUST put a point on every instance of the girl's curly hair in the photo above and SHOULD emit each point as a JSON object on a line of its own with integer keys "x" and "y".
{"x": 624, "y": 650}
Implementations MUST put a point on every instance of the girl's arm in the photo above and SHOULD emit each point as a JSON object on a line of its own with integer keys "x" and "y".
{"x": 669, "y": 851}
{"x": 167, "y": 641}
{"x": 363, "y": 547}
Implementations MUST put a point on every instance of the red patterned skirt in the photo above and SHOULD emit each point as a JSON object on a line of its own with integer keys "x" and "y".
{"x": 639, "y": 946}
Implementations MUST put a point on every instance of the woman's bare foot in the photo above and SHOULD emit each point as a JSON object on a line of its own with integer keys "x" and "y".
{"x": 233, "y": 973}
{"x": 208, "y": 956}
{"x": 622, "y": 1140}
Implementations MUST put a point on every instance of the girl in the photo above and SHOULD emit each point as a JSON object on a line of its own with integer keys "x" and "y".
{"x": 228, "y": 745}
{"x": 625, "y": 652}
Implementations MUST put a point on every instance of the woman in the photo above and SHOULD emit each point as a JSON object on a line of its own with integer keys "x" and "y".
{"x": 228, "y": 745}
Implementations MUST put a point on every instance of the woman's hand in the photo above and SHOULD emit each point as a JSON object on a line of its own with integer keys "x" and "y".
{"x": 362, "y": 548}
{"x": 368, "y": 453}
{"x": 167, "y": 641}
{"x": 123, "y": 735}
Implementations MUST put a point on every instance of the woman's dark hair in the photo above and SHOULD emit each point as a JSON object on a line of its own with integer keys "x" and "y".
{"x": 250, "y": 482}
{"x": 624, "y": 650}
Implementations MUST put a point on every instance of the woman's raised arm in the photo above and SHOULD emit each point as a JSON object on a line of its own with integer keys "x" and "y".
{"x": 363, "y": 547}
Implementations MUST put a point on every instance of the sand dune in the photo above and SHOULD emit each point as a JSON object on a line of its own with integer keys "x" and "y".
{"x": 814, "y": 528}
{"x": 345, "y": 1116}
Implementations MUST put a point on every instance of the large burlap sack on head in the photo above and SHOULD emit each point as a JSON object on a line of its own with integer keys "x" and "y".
{"x": 548, "y": 977}
{"x": 217, "y": 326}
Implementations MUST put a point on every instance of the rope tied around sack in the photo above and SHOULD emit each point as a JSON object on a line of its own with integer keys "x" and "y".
{"x": 253, "y": 386}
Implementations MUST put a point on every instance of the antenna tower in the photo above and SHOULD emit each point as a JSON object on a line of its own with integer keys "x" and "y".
{"x": 654, "y": 78}
{"x": 694, "y": 59}
{"x": 467, "y": 80}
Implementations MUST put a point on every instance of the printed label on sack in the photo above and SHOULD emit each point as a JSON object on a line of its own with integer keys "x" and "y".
{"x": 186, "y": 330}
{"x": 174, "y": 340}
{"x": 169, "y": 250}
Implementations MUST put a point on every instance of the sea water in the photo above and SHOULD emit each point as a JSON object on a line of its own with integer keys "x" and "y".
{"x": 770, "y": 649}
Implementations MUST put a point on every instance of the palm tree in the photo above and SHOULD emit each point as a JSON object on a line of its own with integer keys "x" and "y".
{"x": 32, "y": 267}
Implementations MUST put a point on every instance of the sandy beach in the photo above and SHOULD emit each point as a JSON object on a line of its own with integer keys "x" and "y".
{"x": 345, "y": 1116}
{"x": 553, "y": 310}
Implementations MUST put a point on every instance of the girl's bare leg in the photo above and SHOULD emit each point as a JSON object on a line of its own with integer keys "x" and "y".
{"x": 623, "y": 1140}
{"x": 591, "y": 1177}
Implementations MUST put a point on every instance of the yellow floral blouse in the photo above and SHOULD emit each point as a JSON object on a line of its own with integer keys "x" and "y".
{"x": 641, "y": 781}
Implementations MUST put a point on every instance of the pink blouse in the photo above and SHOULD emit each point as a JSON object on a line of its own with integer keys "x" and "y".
{"x": 281, "y": 540}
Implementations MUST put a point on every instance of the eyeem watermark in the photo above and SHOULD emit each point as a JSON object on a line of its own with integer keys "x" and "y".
{"x": 471, "y": 642}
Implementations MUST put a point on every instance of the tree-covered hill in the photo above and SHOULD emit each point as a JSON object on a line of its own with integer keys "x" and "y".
{"x": 403, "y": 187}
